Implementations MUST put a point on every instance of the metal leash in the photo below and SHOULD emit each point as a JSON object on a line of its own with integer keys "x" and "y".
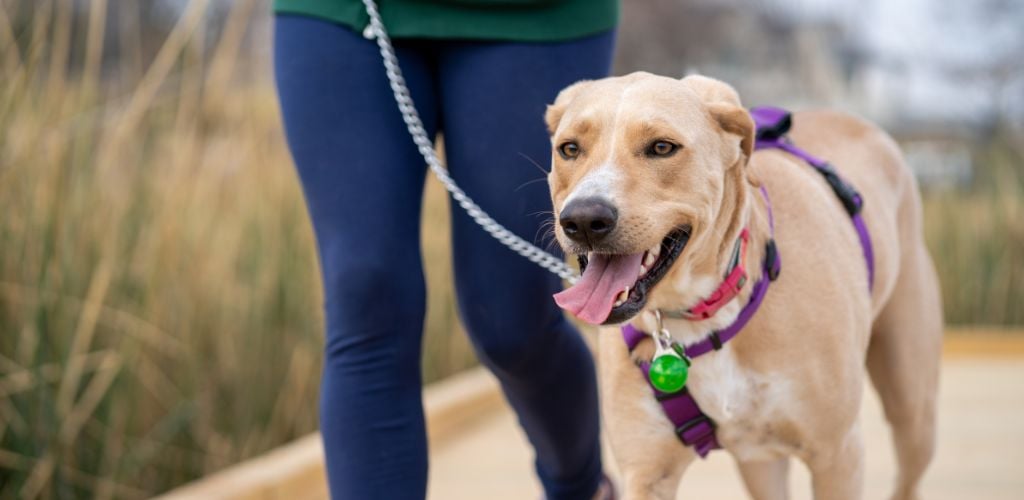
{"x": 426, "y": 148}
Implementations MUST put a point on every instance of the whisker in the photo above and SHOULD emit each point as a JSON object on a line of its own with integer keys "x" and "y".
{"x": 538, "y": 236}
{"x": 548, "y": 240}
{"x": 547, "y": 225}
{"x": 545, "y": 234}
{"x": 534, "y": 162}
{"x": 527, "y": 183}
{"x": 552, "y": 241}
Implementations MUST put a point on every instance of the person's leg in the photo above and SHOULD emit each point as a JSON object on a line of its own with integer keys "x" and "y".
{"x": 493, "y": 99}
{"x": 363, "y": 179}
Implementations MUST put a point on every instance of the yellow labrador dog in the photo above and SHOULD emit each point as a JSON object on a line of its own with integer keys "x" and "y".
{"x": 653, "y": 179}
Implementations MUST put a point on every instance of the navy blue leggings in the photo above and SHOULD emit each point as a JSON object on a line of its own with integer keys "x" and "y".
{"x": 363, "y": 181}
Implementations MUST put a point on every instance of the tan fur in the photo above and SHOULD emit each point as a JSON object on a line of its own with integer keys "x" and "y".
{"x": 790, "y": 384}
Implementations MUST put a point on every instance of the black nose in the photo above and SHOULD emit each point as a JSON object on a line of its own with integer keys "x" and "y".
{"x": 588, "y": 220}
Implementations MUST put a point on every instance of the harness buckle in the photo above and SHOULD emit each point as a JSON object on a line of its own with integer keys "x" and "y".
{"x": 849, "y": 196}
{"x": 771, "y": 260}
{"x": 693, "y": 431}
{"x": 771, "y": 123}
{"x": 716, "y": 341}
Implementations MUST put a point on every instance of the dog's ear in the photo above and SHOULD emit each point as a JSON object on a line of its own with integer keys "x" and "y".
{"x": 723, "y": 103}
{"x": 555, "y": 111}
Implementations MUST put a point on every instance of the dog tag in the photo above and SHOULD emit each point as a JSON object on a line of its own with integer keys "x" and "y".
{"x": 669, "y": 370}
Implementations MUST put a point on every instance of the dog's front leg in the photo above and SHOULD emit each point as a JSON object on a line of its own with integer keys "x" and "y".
{"x": 650, "y": 458}
{"x": 766, "y": 480}
{"x": 837, "y": 470}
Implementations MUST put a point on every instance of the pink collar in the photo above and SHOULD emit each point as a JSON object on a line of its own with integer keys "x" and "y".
{"x": 728, "y": 289}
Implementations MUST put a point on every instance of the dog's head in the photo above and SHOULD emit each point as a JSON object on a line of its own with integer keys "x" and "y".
{"x": 643, "y": 184}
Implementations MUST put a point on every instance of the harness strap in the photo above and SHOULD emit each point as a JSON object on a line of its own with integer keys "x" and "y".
{"x": 772, "y": 126}
{"x": 693, "y": 427}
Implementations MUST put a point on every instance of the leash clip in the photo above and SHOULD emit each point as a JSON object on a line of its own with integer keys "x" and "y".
{"x": 663, "y": 340}
{"x": 660, "y": 334}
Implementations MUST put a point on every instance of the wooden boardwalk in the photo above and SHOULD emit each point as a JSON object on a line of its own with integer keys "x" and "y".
{"x": 980, "y": 455}
{"x": 478, "y": 450}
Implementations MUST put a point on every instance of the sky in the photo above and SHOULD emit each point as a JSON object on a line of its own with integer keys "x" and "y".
{"x": 939, "y": 60}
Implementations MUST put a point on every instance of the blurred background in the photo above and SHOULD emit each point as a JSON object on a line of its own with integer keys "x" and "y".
{"x": 159, "y": 305}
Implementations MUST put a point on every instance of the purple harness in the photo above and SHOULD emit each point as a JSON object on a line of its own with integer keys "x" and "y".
{"x": 772, "y": 125}
{"x": 693, "y": 427}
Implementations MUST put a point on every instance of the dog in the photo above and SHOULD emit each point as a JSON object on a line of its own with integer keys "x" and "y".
{"x": 655, "y": 178}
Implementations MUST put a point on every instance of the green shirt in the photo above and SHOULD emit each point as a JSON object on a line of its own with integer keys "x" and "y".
{"x": 513, "y": 20}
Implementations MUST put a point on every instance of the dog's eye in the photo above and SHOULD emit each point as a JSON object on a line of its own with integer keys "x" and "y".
{"x": 661, "y": 149}
{"x": 569, "y": 150}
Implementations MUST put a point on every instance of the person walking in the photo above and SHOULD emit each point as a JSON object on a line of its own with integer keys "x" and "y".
{"x": 481, "y": 72}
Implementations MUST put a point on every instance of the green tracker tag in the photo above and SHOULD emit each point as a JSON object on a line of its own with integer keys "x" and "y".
{"x": 668, "y": 372}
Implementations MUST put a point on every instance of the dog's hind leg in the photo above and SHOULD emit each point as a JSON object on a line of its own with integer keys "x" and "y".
{"x": 767, "y": 480}
{"x": 903, "y": 360}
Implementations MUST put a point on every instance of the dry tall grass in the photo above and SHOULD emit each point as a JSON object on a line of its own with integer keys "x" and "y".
{"x": 976, "y": 236}
{"x": 159, "y": 304}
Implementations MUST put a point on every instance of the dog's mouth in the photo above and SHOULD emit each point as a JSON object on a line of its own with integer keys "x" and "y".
{"x": 614, "y": 287}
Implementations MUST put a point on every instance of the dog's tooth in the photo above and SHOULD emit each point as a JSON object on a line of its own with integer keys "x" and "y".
{"x": 622, "y": 297}
{"x": 643, "y": 269}
{"x": 649, "y": 260}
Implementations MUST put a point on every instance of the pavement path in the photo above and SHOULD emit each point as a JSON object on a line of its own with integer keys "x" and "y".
{"x": 478, "y": 451}
{"x": 980, "y": 454}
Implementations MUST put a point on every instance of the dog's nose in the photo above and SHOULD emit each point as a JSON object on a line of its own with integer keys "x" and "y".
{"x": 588, "y": 220}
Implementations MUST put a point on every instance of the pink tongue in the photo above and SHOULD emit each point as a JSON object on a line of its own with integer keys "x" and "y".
{"x": 592, "y": 297}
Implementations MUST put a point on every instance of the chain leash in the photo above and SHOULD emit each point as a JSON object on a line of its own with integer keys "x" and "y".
{"x": 425, "y": 145}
